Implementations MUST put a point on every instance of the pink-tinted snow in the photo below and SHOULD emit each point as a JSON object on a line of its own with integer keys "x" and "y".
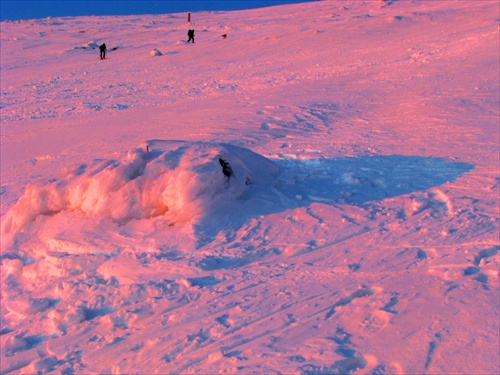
{"x": 358, "y": 231}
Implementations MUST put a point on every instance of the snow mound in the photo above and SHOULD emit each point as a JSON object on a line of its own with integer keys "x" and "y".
{"x": 178, "y": 180}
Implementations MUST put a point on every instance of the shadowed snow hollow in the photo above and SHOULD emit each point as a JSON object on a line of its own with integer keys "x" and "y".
{"x": 177, "y": 180}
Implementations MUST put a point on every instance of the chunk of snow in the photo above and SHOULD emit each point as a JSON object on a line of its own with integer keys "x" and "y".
{"x": 155, "y": 52}
{"x": 90, "y": 45}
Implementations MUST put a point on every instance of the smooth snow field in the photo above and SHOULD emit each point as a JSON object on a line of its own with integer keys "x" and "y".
{"x": 315, "y": 193}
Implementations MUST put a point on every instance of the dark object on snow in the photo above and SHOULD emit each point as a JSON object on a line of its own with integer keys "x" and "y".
{"x": 224, "y": 36}
{"x": 191, "y": 35}
{"x": 102, "y": 48}
{"x": 226, "y": 168}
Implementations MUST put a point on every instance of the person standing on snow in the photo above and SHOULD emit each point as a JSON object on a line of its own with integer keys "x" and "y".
{"x": 102, "y": 48}
{"x": 190, "y": 35}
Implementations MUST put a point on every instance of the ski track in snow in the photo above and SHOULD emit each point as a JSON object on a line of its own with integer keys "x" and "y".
{"x": 357, "y": 234}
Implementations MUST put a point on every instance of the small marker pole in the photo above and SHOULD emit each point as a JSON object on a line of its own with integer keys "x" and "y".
{"x": 189, "y": 17}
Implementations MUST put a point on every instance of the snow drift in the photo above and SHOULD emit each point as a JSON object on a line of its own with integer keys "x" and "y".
{"x": 212, "y": 187}
{"x": 178, "y": 180}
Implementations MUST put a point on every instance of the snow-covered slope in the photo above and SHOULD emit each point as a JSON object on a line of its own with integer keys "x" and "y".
{"x": 355, "y": 228}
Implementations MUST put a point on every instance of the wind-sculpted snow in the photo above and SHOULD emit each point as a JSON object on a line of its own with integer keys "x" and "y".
{"x": 184, "y": 182}
{"x": 179, "y": 181}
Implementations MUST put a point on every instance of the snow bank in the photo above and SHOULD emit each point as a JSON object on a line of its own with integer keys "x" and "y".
{"x": 178, "y": 180}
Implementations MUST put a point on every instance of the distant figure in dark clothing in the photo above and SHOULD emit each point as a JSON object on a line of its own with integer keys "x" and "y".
{"x": 191, "y": 35}
{"x": 226, "y": 168}
{"x": 102, "y": 48}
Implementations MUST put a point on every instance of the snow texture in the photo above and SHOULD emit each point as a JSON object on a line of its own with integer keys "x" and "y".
{"x": 315, "y": 193}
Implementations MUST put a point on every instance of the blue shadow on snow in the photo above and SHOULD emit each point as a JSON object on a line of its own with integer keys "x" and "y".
{"x": 352, "y": 180}
{"x": 357, "y": 180}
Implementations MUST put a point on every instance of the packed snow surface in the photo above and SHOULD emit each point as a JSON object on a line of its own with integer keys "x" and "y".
{"x": 316, "y": 192}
